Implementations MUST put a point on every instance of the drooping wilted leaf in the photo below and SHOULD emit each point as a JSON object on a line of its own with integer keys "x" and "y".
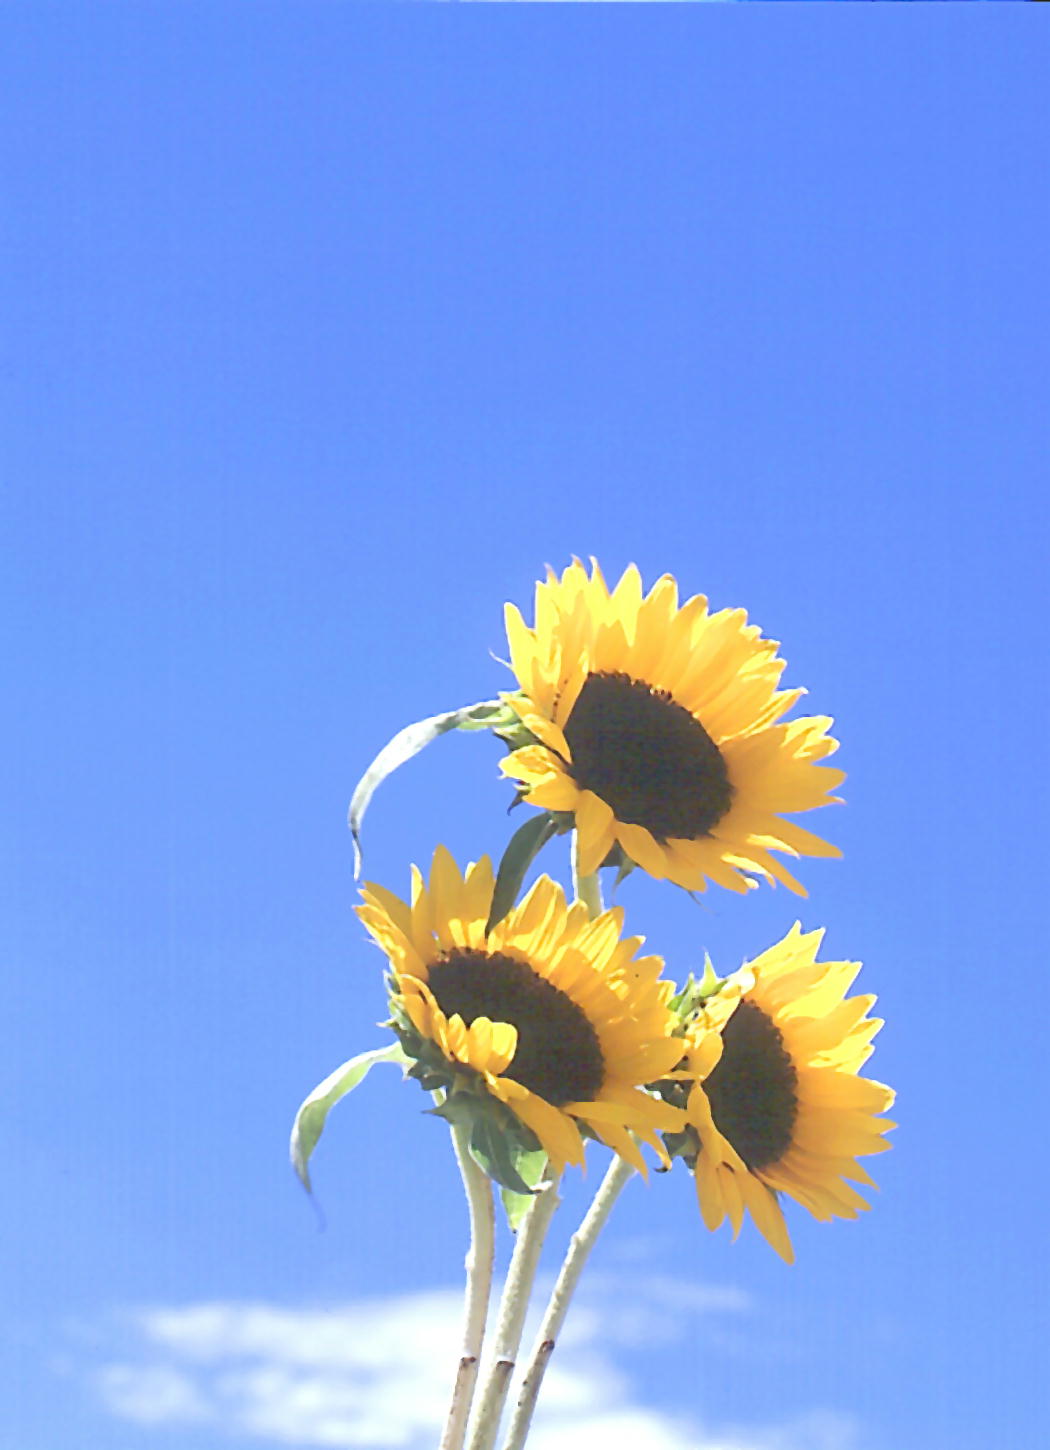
{"x": 406, "y": 743}
{"x": 310, "y": 1119}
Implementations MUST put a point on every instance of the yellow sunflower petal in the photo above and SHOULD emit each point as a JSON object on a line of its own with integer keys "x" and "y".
{"x": 709, "y": 1192}
{"x": 491, "y": 1045}
{"x": 498, "y": 1008}
{"x": 768, "y": 1215}
{"x": 594, "y": 826}
{"x": 681, "y": 739}
{"x": 556, "y": 1131}
{"x": 643, "y": 850}
{"x": 621, "y": 1142}
{"x": 732, "y": 1195}
{"x": 778, "y": 1105}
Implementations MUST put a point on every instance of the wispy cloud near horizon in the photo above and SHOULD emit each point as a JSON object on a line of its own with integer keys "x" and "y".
{"x": 337, "y": 1376}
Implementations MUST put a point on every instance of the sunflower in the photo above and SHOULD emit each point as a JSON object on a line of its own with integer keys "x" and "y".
{"x": 778, "y": 1105}
{"x": 659, "y": 728}
{"x": 550, "y": 1013}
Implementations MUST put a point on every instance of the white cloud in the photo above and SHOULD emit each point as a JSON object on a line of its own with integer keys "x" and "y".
{"x": 647, "y": 1308}
{"x": 150, "y": 1394}
{"x": 624, "y": 1428}
{"x": 295, "y": 1376}
{"x": 338, "y": 1376}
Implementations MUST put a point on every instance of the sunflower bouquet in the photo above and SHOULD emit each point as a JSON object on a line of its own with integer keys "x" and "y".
{"x": 652, "y": 734}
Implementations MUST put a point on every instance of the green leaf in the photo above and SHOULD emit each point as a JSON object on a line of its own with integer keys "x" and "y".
{"x": 522, "y": 849}
{"x": 530, "y": 1166}
{"x": 497, "y": 1155}
{"x": 496, "y": 715}
{"x": 500, "y": 1144}
{"x": 406, "y": 743}
{"x": 310, "y": 1119}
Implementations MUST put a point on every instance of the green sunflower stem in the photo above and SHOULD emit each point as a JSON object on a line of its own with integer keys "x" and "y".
{"x": 478, "y": 1290}
{"x": 588, "y": 888}
{"x": 557, "y": 1307}
{"x": 513, "y": 1307}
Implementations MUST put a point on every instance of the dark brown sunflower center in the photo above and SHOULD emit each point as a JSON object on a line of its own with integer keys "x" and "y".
{"x": 647, "y": 757}
{"x": 558, "y": 1055}
{"x": 752, "y": 1091}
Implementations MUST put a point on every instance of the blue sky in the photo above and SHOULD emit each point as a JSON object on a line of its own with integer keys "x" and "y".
{"x": 325, "y": 329}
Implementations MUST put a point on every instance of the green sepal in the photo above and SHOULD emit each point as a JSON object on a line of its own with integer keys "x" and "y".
{"x": 710, "y": 982}
{"x": 696, "y": 991}
{"x": 685, "y": 1001}
{"x": 504, "y": 1148}
{"x": 619, "y": 858}
{"x": 509, "y": 728}
{"x": 501, "y": 719}
{"x": 522, "y": 849}
{"x": 531, "y": 1167}
{"x": 408, "y": 742}
{"x": 425, "y": 1062}
{"x": 310, "y": 1119}
{"x": 682, "y": 1145}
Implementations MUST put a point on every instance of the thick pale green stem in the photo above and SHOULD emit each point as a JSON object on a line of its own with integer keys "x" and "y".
{"x": 513, "y": 1307}
{"x": 479, "y": 1287}
{"x": 520, "y": 1279}
{"x": 588, "y": 888}
{"x": 579, "y": 1249}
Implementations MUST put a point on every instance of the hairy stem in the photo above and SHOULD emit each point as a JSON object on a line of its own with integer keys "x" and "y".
{"x": 588, "y": 888}
{"x": 478, "y": 1288}
{"x": 557, "y": 1307}
{"x": 513, "y": 1307}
